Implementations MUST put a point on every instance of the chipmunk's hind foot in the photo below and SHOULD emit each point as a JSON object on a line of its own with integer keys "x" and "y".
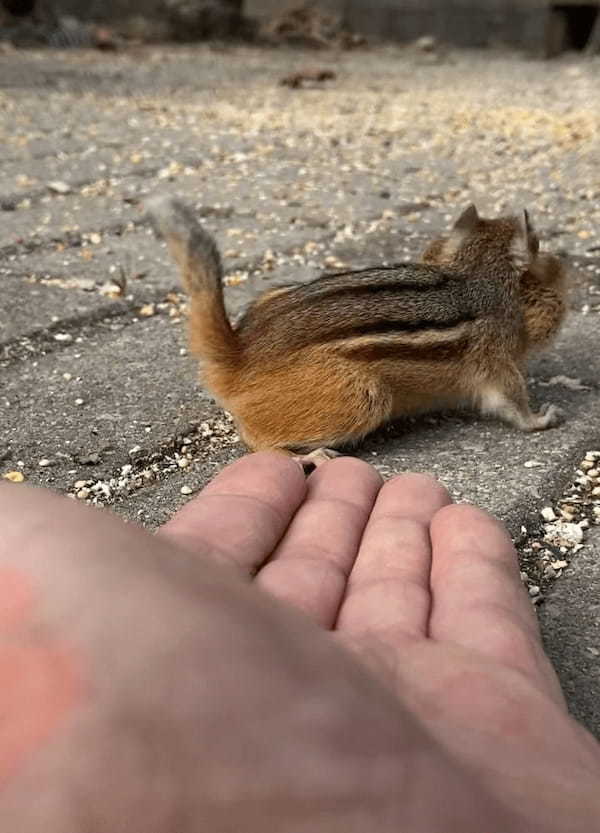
{"x": 549, "y": 416}
{"x": 509, "y": 402}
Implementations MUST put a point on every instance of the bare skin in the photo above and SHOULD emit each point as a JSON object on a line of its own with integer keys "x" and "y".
{"x": 382, "y": 670}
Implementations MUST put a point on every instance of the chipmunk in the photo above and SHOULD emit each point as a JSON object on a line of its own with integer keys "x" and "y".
{"x": 322, "y": 364}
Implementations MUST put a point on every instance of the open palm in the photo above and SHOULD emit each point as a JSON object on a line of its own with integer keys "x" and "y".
{"x": 428, "y": 594}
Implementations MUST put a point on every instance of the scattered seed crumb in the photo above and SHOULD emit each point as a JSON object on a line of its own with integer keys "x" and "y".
{"x": 14, "y": 476}
{"x": 235, "y": 278}
{"x": 110, "y": 289}
{"x": 546, "y": 553}
{"x": 147, "y": 310}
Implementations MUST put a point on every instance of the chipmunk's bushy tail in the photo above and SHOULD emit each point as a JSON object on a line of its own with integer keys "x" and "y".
{"x": 212, "y": 338}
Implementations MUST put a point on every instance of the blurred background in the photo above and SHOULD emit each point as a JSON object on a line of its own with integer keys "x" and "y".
{"x": 540, "y": 26}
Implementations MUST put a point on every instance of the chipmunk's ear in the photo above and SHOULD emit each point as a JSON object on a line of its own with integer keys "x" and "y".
{"x": 467, "y": 220}
{"x": 525, "y": 243}
{"x": 461, "y": 231}
{"x": 524, "y": 223}
{"x": 529, "y": 233}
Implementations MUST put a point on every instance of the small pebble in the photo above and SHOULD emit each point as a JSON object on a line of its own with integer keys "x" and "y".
{"x": 65, "y": 337}
{"x": 89, "y": 459}
{"x": 59, "y": 187}
{"x": 548, "y": 513}
{"x": 44, "y": 462}
{"x": 186, "y": 490}
{"x": 564, "y": 534}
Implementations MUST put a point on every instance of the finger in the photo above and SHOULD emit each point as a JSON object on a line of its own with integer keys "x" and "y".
{"x": 310, "y": 566}
{"x": 241, "y": 515}
{"x": 387, "y": 595}
{"x": 478, "y": 598}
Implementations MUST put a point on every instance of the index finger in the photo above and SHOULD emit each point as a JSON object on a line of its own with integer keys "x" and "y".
{"x": 241, "y": 515}
{"x": 478, "y": 598}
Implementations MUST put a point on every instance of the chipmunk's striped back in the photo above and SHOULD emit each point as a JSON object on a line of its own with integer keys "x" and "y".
{"x": 405, "y": 303}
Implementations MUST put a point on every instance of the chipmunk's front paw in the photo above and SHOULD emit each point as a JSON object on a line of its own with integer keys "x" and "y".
{"x": 549, "y": 416}
{"x": 316, "y": 458}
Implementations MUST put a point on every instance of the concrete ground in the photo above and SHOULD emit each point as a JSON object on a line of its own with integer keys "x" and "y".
{"x": 98, "y": 397}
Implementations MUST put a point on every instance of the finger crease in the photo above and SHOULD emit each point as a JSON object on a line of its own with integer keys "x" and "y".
{"x": 282, "y": 520}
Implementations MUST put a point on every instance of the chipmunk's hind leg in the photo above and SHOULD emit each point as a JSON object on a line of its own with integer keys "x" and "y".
{"x": 507, "y": 399}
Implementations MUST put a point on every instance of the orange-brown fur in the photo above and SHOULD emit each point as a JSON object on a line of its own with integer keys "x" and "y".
{"x": 543, "y": 300}
{"x": 542, "y": 293}
{"x": 325, "y": 363}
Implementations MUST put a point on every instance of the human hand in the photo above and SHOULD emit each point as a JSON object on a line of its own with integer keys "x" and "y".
{"x": 152, "y": 678}
{"x": 428, "y": 594}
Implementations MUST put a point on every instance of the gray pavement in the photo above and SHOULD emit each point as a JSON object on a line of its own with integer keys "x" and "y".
{"x": 98, "y": 396}
{"x": 571, "y": 626}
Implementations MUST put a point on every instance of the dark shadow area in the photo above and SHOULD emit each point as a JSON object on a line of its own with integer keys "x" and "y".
{"x": 570, "y": 27}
